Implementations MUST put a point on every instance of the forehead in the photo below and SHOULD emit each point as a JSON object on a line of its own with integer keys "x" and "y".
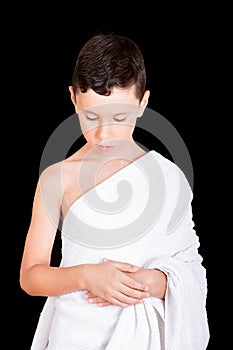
{"x": 111, "y": 109}
{"x": 118, "y": 100}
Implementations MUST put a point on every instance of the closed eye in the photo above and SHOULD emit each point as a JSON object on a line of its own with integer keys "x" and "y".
{"x": 96, "y": 118}
{"x": 89, "y": 118}
{"x": 119, "y": 120}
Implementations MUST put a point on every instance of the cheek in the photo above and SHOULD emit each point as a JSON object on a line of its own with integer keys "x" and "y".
{"x": 89, "y": 134}
{"x": 87, "y": 129}
{"x": 123, "y": 131}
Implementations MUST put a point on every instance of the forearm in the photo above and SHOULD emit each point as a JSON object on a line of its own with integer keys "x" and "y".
{"x": 41, "y": 280}
{"x": 157, "y": 283}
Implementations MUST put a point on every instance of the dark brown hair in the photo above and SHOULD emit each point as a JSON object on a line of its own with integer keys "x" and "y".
{"x": 109, "y": 60}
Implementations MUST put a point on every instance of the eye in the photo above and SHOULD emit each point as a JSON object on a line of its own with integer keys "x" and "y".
{"x": 119, "y": 119}
{"x": 91, "y": 118}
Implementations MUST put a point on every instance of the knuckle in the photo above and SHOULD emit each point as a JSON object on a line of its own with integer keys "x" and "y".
{"x": 114, "y": 274}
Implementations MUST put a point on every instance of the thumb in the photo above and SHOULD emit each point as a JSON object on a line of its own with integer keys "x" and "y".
{"x": 123, "y": 266}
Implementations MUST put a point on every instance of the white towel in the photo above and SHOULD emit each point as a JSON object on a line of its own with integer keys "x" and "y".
{"x": 154, "y": 229}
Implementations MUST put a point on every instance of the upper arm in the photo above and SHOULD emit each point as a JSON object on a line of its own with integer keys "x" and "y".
{"x": 44, "y": 219}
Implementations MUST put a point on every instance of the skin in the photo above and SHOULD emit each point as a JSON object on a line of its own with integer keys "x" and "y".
{"x": 113, "y": 120}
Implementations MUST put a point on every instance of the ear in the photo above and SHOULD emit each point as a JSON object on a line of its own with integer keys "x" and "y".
{"x": 143, "y": 103}
{"x": 72, "y": 96}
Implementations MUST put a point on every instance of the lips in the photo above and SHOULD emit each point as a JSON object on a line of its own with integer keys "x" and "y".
{"x": 105, "y": 148}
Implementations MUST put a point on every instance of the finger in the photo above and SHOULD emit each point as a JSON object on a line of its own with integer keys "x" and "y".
{"x": 104, "y": 304}
{"x": 133, "y": 284}
{"x": 89, "y": 294}
{"x": 119, "y": 303}
{"x": 122, "y": 300}
{"x": 125, "y": 267}
{"x": 131, "y": 296}
{"x": 131, "y": 293}
{"x": 96, "y": 300}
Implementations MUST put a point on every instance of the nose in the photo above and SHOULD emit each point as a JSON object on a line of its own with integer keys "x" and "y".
{"x": 104, "y": 132}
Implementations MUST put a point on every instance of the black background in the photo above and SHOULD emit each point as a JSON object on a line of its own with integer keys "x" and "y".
{"x": 177, "y": 48}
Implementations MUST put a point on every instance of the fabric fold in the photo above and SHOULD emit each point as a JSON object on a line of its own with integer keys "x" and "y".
{"x": 185, "y": 298}
{"x": 41, "y": 336}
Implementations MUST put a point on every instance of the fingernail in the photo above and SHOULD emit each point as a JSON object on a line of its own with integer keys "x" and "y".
{"x": 146, "y": 289}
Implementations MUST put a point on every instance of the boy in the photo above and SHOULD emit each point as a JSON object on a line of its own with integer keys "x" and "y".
{"x": 141, "y": 290}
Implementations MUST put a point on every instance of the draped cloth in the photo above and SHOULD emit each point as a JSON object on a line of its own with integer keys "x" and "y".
{"x": 141, "y": 214}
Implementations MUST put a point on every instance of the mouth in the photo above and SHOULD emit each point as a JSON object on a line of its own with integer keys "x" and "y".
{"x": 105, "y": 148}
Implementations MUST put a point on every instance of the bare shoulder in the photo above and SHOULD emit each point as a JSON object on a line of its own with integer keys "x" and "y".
{"x": 62, "y": 168}
{"x": 51, "y": 172}
{"x": 50, "y": 182}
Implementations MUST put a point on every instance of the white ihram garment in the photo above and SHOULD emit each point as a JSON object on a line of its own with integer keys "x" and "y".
{"x": 179, "y": 322}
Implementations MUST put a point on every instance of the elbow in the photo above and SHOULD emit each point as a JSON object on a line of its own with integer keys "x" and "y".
{"x": 25, "y": 284}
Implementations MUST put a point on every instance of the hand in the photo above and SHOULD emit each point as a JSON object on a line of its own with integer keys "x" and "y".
{"x": 155, "y": 279}
{"x": 109, "y": 284}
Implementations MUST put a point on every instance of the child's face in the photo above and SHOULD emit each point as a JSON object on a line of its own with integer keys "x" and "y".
{"x": 107, "y": 122}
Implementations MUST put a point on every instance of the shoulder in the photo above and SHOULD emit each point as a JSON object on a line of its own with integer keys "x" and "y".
{"x": 178, "y": 193}
{"x": 50, "y": 182}
{"x": 59, "y": 170}
{"x": 172, "y": 173}
{"x": 51, "y": 172}
{"x": 60, "y": 176}
{"x": 166, "y": 164}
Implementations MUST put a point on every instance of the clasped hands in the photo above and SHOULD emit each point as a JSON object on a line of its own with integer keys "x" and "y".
{"x": 123, "y": 284}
